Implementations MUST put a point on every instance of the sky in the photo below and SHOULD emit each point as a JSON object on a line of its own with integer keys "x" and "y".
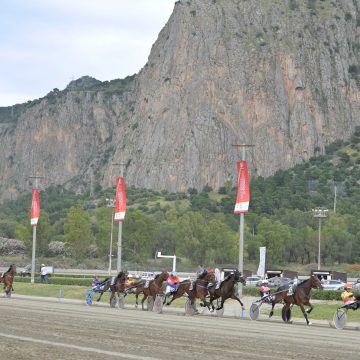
{"x": 44, "y": 44}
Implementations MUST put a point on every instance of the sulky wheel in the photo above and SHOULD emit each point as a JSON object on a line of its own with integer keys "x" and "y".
{"x": 339, "y": 319}
{"x": 190, "y": 309}
{"x": 254, "y": 311}
{"x": 158, "y": 304}
{"x": 122, "y": 301}
{"x": 150, "y": 303}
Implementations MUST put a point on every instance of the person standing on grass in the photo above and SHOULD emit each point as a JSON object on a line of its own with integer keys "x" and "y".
{"x": 43, "y": 274}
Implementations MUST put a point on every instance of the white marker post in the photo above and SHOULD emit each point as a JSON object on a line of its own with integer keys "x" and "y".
{"x": 168, "y": 256}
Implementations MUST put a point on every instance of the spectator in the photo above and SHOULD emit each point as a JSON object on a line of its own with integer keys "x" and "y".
{"x": 43, "y": 274}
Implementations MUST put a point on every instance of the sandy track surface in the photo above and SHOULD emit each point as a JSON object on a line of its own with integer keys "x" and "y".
{"x": 49, "y": 330}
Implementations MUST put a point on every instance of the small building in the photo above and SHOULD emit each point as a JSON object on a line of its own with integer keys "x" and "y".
{"x": 330, "y": 275}
{"x": 270, "y": 273}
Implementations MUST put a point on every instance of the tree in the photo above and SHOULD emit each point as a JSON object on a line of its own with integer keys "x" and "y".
{"x": 77, "y": 231}
{"x": 139, "y": 233}
{"x": 44, "y": 234}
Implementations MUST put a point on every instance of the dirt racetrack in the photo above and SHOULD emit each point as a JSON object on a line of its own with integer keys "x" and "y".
{"x": 50, "y": 330}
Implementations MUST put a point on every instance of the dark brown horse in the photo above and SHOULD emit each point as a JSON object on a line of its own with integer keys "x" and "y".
{"x": 7, "y": 278}
{"x": 196, "y": 290}
{"x": 227, "y": 290}
{"x": 301, "y": 297}
{"x": 118, "y": 286}
{"x": 154, "y": 287}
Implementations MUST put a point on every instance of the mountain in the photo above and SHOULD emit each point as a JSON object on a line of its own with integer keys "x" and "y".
{"x": 283, "y": 76}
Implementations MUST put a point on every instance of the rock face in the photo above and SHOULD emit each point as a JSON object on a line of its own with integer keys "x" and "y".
{"x": 283, "y": 75}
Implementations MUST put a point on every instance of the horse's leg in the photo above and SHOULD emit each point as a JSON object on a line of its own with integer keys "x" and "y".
{"x": 233, "y": 296}
{"x": 311, "y": 308}
{"x": 175, "y": 296}
{"x": 272, "y": 309}
{"x": 101, "y": 293}
{"x": 143, "y": 300}
{"x": 304, "y": 313}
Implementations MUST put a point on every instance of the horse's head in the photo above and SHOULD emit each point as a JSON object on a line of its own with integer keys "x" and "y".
{"x": 162, "y": 277}
{"x": 239, "y": 278}
{"x": 13, "y": 268}
{"x": 209, "y": 277}
{"x": 316, "y": 283}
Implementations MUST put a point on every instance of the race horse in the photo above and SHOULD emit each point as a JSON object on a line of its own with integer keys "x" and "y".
{"x": 227, "y": 290}
{"x": 196, "y": 290}
{"x": 118, "y": 286}
{"x": 300, "y": 297}
{"x": 153, "y": 288}
{"x": 7, "y": 278}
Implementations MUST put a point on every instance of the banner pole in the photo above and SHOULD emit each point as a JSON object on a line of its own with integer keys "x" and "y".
{"x": 33, "y": 256}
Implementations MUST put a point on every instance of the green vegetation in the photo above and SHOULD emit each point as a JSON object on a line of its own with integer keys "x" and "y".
{"x": 201, "y": 226}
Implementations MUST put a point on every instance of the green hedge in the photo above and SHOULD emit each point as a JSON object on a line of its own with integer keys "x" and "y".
{"x": 57, "y": 280}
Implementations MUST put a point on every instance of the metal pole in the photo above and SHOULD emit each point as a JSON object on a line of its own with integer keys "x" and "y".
{"x": 119, "y": 248}
{"x": 241, "y": 228}
{"x": 174, "y": 263}
{"x": 33, "y": 256}
{"x": 320, "y": 213}
{"x": 111, "y": 241}
{"x": 319, "y": 253}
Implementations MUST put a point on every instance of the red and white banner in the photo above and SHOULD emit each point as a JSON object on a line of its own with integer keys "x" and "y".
{"x": 120, "y": 199}
{"x": 243, "y": 194}
{"x": 35, "y": 208}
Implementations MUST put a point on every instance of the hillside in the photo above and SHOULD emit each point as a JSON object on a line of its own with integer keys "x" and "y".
{"x": 201, "y": 226}
{"x": 282, "y": 75}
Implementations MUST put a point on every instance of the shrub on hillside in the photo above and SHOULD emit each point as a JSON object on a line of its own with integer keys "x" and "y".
{"x": 57, "y": 248}
{"x": 11, "y": 247}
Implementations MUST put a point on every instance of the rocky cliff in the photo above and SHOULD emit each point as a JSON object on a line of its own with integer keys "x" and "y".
{"x": 283, "y": 75}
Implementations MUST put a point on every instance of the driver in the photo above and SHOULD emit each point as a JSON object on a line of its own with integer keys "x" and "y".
{"x": 264, "y": 289}
{"x": 347, "y": 295}
{"x": 172, "y": 283}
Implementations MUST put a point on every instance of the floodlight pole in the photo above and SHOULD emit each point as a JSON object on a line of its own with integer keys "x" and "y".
{"x": 168, "y": 256}
{"x": 241, "y": 226}
{"x": 320, "y": 214}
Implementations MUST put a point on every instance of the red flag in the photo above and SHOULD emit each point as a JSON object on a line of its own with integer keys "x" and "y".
{"x": 120, "y": 199}
{"x": 243, "y": 194}
{"x": 35, "y": 208}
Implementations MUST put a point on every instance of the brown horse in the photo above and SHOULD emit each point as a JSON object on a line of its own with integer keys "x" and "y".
{"x": 301, "y": 297}
{"x": 196, "y": 290}
{"x": 7, "y": 278}
{"x": 226, "y": 290}
{"x": 118, "y": 287}
{"x": 154, "y": 288}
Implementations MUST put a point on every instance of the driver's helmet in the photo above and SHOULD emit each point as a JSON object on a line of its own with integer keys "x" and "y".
{"x": 264, "y": 282}
{"x": 173, "y": 273}
{"x": 347, "y": 286}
